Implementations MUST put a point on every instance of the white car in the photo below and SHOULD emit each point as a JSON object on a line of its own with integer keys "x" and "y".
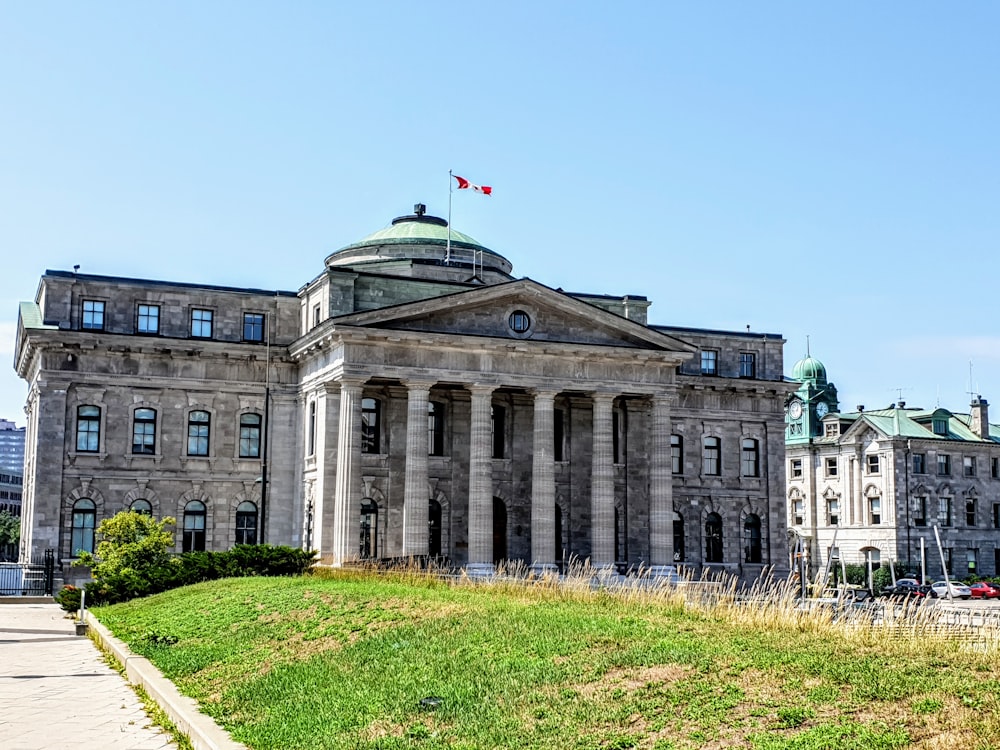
{"x": 958, "y": 591}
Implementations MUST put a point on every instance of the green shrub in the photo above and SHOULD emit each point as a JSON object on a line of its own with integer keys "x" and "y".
{"x": 68, "y": 598}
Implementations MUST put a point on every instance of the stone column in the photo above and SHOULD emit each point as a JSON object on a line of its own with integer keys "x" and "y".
{"x": 543, "y": 487}
{"x": 415, "y": 499}
{"x": 661, "y": 488}
{"x": 602, "y": 486}
{"x": 347, "y": 494}
{"x": 480, "y": 483}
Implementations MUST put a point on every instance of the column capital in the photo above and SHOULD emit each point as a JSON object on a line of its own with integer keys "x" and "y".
{"x": 480, "y": 389}
{"x": 415, "y": 384}
{"x": 544, "y": 393}
{"x": 352, "y": 381}
{"x": 608, "y": 396}
{"x": 668, "y": 399}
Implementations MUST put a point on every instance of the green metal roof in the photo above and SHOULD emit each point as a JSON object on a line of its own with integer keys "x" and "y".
{"x": 31, "y": 316}
{"x": 917, "y": 423}
{"x": 416, "y": 232}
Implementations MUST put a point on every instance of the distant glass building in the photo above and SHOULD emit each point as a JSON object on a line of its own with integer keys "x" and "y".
{"x": 11, "y": 448}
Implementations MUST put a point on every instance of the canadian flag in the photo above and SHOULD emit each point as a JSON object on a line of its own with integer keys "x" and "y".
{"x": 464, "y": 184}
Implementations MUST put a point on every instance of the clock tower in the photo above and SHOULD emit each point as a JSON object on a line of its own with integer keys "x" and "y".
{"x": 814, "y": 399}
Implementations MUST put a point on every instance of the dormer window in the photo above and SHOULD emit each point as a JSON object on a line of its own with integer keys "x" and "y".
{"x": 939, "y": 426}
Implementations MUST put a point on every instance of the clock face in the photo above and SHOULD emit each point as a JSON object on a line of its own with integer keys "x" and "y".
{"x": 795, "y": 409}
{"x": 822, "y": 409}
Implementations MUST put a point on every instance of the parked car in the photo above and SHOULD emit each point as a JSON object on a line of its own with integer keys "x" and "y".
{"x": 958, "y": 590}
{"x": 905, "y": 587}
{"x": 985, "y": 590}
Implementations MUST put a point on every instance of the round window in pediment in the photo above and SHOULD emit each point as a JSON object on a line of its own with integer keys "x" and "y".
{"x": 519, "y": 321}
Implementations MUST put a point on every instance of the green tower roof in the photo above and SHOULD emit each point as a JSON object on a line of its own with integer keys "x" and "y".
{"x": 809, "y": 369}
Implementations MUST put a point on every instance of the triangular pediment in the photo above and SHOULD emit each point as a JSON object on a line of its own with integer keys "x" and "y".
{"x": 864, "y": 431}
{"x": 499, "y": 311}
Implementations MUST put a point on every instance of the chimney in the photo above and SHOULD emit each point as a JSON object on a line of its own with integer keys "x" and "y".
{"x": 861, "y": 408}
{"x": 980, "y": 417}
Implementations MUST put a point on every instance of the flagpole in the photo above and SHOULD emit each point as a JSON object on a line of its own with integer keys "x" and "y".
{"x": 447, "y": 252}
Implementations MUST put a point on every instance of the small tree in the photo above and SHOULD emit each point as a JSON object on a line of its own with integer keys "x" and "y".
{"x": 133, "y": 557}
{"x": 10, "y": 533}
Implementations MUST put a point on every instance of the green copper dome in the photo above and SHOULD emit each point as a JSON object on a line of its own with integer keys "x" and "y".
{"x": 421, "y": 242}
{"x": 809, "y": 369}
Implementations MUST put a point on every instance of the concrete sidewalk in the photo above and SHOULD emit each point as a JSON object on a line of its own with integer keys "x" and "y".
{"x": 57, "y": 692}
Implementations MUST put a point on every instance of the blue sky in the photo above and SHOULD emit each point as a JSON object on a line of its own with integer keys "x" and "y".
{"x": 828, "y": 170}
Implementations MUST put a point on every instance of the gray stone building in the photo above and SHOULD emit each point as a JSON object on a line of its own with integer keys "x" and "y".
{"x": 874, "y": 484}
{"x": 414, "y": 399}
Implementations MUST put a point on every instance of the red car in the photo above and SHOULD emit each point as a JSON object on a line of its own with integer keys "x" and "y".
{"x": 984, "y": 590}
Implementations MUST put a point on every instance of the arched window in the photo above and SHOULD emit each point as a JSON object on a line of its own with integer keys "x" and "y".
{"x": 194, "y": 527}
{"x": 371, "y": 427}
{"x": 246, "y": 523}
{"x": 84, "y": 522}
{"x": 713, "y": 538}
{"x": 678, "y": 537}
{"x": 88, "y": 429}
{"x": 141, "y": 506}
{"x": 434, "y": 529}
{"x": 250, "y": 435}
{"x": 751, "y": 540}
{"x": 369, "y": 529}
{"x": 199, "y": 425}
{"x": 144, "y": 432}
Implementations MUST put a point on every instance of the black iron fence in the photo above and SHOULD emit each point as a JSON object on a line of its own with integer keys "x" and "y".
{"x": 31, "y": 579}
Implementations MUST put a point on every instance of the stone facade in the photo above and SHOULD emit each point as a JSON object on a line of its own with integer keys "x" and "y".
{"x": 412, "y": 400}
{"x": 883, "y": 484}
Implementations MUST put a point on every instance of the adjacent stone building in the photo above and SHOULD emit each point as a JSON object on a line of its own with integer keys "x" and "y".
{"x": 883, "y": 479}
{"x": 413, "y": 400}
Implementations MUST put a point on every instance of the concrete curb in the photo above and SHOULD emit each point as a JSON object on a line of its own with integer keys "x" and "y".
{"x": 201, "y": 730}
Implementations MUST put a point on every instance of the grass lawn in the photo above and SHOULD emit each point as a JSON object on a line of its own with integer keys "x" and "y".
{"x": 343, "y": 661}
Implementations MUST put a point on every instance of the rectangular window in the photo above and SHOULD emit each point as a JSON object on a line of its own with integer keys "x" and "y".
{"x": 751, "y": 458}
{"x": 199, "y": 424}
{"x": 920, "y": 511}
{"x": 831, "y": 466}
{"x": 995, "y": 467}
{"x": 88, "y": 429}
{"x": 871, "y": 463}
{"x": 970, "y": 512}
{"x": 798, "y": 512}
{"x": 833, "y": 511}
{"x": 253, "y": 327}
{"x": 558, "y": 435}
{"x": 948, "y": 560}
{"x": 971, "y": 556}
{"x": 919, "y": 463}
{"x": 875, "y": 510}
{"x": 748, "y": 365}
{"x": 795, "y": 469}
{"x": 943, "y": 465}
{"x": 709, "y": 362}
{"x": 148, "y": 319}
{"x": 498, "y": 421}
{"x": 371, "y": 425}
{"x": 250, "y": 435}
{"x": 831, "y": 429}
{"x": 939, "y": 426}
{"x": 996, "y": 520}
{"x": 968, "y": 466}
{"x": 618, "y": 435}
{"x": 944, "y": 511}
{"x": 201, "y": 324}
{"x": 316, "y": 311}
{"x": 312, "y": 428}
{"x": 677, "y": 454}
{"x": 144, "y": 432}
{"x": 435, "y": 428}
{"x": 711, "y": 464}
{"x": 93, "y": 315}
